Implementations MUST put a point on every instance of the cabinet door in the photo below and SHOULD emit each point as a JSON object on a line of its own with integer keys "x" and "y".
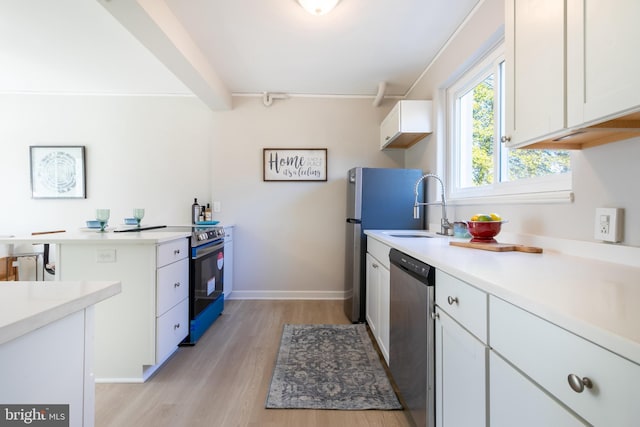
{"x": 535, "y": 57}
{"x": 384, "y": 305}
{"x": 516, "y": 401}
{"x": 390, "y": 126}
{"x": 461, "y": 375}
{"x": 603, "y": 38}
{"x": 227, "y": 281}
{"x": 373, "y": 289}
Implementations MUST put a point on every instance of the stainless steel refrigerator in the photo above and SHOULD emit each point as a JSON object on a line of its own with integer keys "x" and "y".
{"x": 377, "y": 198}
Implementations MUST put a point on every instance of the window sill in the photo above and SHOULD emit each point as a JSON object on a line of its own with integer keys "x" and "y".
{"x": 548, "y": 197}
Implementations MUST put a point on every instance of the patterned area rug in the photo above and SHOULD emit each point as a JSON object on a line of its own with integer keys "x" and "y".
{"x": 329, "y": 367}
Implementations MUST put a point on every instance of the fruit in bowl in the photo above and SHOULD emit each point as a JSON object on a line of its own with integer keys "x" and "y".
{"x": 483, "y": 228}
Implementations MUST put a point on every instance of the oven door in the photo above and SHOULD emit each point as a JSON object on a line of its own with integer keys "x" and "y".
{"x": 207, "y": 267}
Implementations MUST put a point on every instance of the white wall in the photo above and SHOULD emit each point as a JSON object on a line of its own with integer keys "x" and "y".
{"x": 603, "y": 176}
{"x": 160, "y": 152}
{"x": 290, "y": 235}
{"x": 150, "y": 152}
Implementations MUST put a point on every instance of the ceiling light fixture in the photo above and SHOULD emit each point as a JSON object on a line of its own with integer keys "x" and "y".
{"x": 318, "y": 7}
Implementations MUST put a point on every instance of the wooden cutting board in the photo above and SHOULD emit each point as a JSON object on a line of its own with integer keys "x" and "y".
{"x": 498, "y": 247}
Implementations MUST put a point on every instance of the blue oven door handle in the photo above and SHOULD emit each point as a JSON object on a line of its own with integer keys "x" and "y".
{"x": 204, "y": 250}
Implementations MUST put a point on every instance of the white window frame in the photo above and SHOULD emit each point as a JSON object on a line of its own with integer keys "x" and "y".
{"x": 546, "y": 189}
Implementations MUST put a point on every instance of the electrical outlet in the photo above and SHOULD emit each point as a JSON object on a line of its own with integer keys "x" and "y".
{"x": 608, "y": 224}
{"x": 105, "y": 255}
{"x": 216, "y": 206}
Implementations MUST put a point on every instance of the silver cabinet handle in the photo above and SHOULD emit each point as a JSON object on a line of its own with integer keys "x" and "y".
{"x": 176, "y": 285}
{"x": 505, "y": 139}
{"x": 578, "y": 384}
{"x": 176, "y": 252}
{"x": 435, "y": 315}
{"x": 387, "y": 138}
{"x": 176, "y": 326}
{"x": 374, "y": 265}
{"x": 452, "y": 300}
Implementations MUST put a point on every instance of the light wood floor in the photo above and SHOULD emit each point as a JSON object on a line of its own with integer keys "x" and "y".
{"x": 224, "y": 379}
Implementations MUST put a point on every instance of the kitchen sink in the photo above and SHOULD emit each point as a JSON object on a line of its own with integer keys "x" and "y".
{"x": 410, "y": 234}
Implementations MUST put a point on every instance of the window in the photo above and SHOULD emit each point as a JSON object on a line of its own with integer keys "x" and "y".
{"x": 480, "y": 165}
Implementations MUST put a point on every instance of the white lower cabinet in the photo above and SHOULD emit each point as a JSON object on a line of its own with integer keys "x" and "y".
{"x": 52, "y": 365}
{"x": 136, "y": 330}
{"x": 172, "y": 304}
{"x": 499, "y": 365}
{"x": 605, "y": 388}
{"x": 461, "y": 356}
{"x": 227, "y": 280}
{"x": 372, "y": 304}
{"x": 378, "y": 293}
{"x": 515, "y": 400}
{"x": 384, "y": 293}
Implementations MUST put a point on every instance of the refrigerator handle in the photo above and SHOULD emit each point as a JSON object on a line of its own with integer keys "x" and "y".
{"x": 354, "y": 221}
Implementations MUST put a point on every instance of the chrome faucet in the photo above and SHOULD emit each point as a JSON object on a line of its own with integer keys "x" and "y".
{"x": 445, "y": 225}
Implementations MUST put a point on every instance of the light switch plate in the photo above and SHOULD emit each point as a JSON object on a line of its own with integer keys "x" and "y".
{"x": 608, "y": 224}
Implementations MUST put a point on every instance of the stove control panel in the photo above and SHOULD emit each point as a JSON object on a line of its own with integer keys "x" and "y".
{"x": 200, "y": 237}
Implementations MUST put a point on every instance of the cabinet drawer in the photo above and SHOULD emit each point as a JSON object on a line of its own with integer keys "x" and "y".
{"x": 173, "y": 285}
{"x": 379, "y": 251}
{"x": 171, "y": 328}
{"x": 172, "y": 251}
{"x": 548, "y": 354}
{"x": 466, "y": 304}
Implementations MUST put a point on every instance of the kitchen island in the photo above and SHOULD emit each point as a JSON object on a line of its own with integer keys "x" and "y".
{"x": 139, "y": 329}
{"x": 568, "y": 323}
{"x": 46, "y": 346}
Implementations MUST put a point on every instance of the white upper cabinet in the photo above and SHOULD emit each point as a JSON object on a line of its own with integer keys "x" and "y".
{"x": 407, "y": 123}
{"x": 535, "y": 69}
{"x": 571, "y": 73}
{"x": 603, "y": 63}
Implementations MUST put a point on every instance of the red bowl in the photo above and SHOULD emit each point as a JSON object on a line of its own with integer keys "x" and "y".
{"x": 484, "y": 231}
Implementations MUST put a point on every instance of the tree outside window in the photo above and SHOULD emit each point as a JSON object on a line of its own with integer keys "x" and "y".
{"x": 480, "y": 160}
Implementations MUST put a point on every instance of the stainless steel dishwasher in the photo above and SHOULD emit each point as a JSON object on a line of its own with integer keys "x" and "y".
{"x": 411, "y": 336}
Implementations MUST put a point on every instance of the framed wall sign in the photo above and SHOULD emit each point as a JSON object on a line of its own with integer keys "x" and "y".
{"x": 294, "y": 164}
{"x": 57, "y": 172}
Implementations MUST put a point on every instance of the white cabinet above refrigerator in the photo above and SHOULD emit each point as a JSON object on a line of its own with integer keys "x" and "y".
{"x": 407, "y": 123}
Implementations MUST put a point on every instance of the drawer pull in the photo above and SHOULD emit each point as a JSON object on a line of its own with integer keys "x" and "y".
{"x": 176, "y": 326}
{"x": 435, "y": 315}
{"x": 452, "y": 300}
{"x": 176, "y": 285}
{"x": 176, "y": 252}
{"x": 578, "y": 384}
{"x": 374, "y": 265}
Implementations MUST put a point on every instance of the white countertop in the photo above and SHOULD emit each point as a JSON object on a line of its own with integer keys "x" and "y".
{"x": 26, "y": 306}
{"x": 597, "y": 300}
{"x": 96, "y": 237}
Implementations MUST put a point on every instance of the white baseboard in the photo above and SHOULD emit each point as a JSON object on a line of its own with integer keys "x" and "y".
{"x": 287, "y": 295}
